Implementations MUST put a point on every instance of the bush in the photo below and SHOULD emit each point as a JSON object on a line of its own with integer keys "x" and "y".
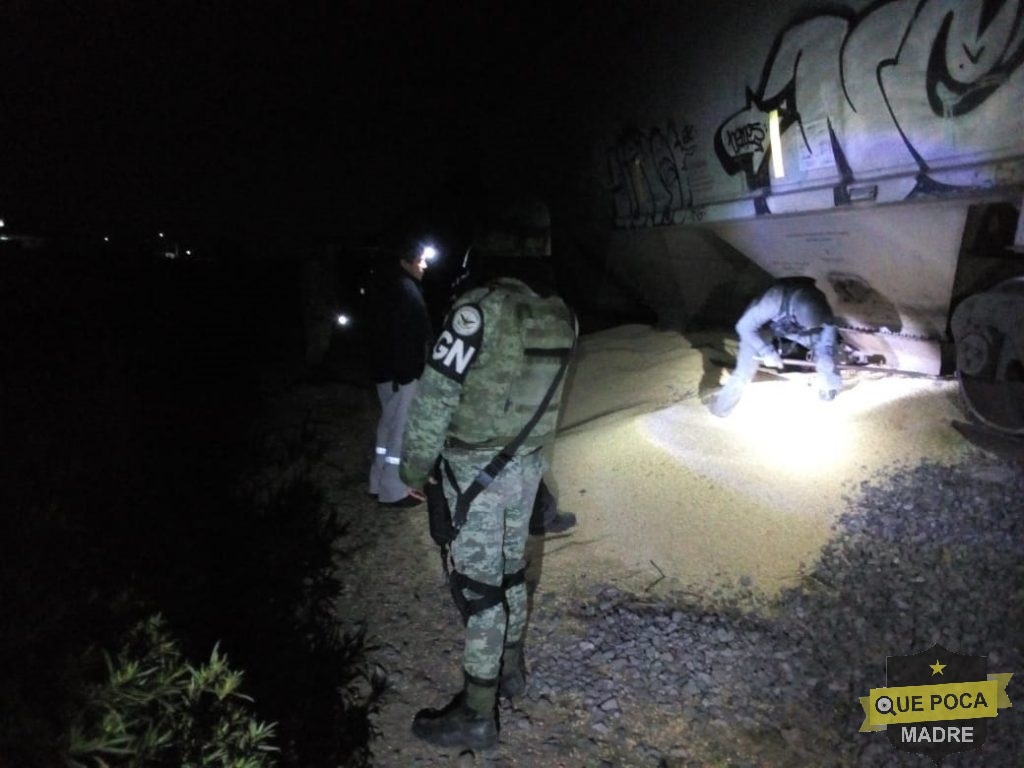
{"x": 129, "y": 403}
{"x": 154, "y": 709}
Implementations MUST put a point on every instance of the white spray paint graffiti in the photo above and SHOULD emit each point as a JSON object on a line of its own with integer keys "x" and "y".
{"x": 918, "y": 93}
{"x": 912, "y": 87}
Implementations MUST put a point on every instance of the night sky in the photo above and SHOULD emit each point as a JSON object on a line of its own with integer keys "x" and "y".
{"x": 280, "y": 120}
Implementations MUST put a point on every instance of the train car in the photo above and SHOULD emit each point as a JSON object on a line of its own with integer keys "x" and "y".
{"x": 877, "y": 147}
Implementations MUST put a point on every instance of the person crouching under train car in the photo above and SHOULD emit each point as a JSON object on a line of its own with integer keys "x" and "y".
{"x": 792, "y": 309}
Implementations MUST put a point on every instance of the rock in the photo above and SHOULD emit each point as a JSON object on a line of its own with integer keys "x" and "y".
{"x": 815, "y": 651}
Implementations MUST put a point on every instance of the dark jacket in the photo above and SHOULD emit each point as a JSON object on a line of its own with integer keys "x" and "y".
{"x": 401, "y": 332}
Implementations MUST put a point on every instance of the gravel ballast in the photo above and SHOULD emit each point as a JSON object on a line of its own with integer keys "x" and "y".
{"x": 928, "y": 554}
{"x": 638, "y": 668}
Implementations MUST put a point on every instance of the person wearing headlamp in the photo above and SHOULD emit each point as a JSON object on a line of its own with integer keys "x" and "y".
{"x": 398, "y": 353}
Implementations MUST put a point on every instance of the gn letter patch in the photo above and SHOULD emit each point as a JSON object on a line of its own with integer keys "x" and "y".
{"x": 459, "y": 342}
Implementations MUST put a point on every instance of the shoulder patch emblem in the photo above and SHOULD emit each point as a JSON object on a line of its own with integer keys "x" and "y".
{"x": 459, "y": 342}
{"x": 467, "y": 320}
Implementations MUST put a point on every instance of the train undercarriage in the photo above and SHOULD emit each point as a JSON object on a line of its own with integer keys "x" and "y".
{"x": 947, "y": 307}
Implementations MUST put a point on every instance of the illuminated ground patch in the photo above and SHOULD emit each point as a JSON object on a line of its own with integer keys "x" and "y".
{"x": 662, "y": 486}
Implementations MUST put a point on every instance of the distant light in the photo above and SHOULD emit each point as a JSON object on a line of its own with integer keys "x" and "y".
{"x": 775, "y": 137}
{"x": 429, "y": 253}
{"x": 105, "y": 238}
{"x": 2, "y": 223}
{"x": 362, "y": 291}
{"x": 170, "y": 255}
{"x": 188, "y": 252}
{"x": 343, "y": 320}
{"x": 159, "y": 234}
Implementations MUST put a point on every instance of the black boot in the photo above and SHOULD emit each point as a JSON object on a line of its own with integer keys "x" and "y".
{"x": 512, "y": 683}
{"x": 468, "y": 721}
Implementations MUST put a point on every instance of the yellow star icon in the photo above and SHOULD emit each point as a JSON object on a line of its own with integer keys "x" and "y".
{"x": 937, "y": 668}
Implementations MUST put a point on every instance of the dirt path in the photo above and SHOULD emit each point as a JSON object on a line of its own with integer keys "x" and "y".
{"x": 394, "y": 582}
{"x": 394, "y": 585}
{"x": 675, "y": 507}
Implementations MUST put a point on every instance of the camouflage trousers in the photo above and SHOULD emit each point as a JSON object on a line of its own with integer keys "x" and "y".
{"x": 491, "y": 545}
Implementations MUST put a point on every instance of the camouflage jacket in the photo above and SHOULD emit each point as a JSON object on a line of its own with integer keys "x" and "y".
{"x": 499, "y": 351}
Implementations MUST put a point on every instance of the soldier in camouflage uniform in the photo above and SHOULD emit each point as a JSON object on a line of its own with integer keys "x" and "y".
{"x": 502, "y": 346}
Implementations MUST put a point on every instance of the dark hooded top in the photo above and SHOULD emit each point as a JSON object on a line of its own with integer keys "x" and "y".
{"x": 401, "y": 331}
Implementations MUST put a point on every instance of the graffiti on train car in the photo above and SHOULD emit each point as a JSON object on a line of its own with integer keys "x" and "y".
{"x": 916, "y": 92}
{"x": 908, "y": 86}
{"x": 650, "y": 173}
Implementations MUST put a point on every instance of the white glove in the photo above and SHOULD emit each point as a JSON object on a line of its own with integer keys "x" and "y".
{"x": 771, "y": 359}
